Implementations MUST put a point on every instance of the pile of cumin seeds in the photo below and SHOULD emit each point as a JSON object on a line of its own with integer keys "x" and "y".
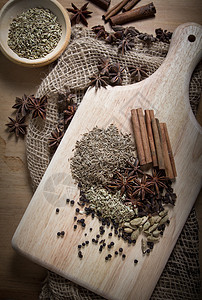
{"x": 99, "y": 154}
{"x": 34, "y": 33}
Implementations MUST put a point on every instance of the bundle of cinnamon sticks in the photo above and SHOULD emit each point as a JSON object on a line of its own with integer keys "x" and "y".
{"x": 153, "y": 142}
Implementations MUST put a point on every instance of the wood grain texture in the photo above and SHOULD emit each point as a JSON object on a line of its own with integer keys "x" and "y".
{"x": 166, "y": 92}
{"x": 19, "y": 277}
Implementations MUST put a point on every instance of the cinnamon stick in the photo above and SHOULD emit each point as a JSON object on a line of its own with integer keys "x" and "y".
{"x": 115, "y": 10}
{"x": 104, "y": 4}
{"x": 170, "y": 152}
{"x": 157, "y": 144}
{"x": 138, "y": 138}
{"x": 145, "y": 140}
{"x": 168, "y": 166}
{"x": 150, "y": 137}
{"x": 130, "y": 5}
{"x": 141, "y": 12}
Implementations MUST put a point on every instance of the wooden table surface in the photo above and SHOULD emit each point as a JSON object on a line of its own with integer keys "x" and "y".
{"x": 19, "y": 277}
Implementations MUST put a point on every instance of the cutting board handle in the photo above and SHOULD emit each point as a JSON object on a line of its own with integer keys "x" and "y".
{"x": 185, "y": 50}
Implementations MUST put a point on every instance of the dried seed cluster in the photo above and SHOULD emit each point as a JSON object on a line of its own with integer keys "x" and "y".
{"x": 98, "y": 154}
{"x": 34, "y": 33}
{"x": 152, "y": 227}
{"x": 111, "y": 206}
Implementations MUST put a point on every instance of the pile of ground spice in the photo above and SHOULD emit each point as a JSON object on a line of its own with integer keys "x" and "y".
{"x": 99, "y": 154}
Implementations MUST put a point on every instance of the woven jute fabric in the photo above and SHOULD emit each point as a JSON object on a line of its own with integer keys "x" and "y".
{"x": 180, "y": 278}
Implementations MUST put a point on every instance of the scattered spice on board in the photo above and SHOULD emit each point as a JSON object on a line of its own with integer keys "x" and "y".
{"x": 113, "y": 187}
{"x": 34, "y": 33}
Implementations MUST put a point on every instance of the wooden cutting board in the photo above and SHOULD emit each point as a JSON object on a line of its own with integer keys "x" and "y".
{"x": 167, "y": 92}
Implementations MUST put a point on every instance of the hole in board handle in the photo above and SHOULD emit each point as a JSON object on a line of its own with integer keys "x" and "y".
{"x": 191, "y": 38}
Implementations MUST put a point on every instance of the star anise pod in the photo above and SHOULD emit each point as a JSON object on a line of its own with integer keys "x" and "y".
{"x": 134, "y": 168}
{"x": 146, "y": 38}
{"x": 38, "y": 107}
{"x": 158, "y": 180}
{"x": 79, "y": 14}
{"x": 132, "y": 31}
{"x": 135, "y": 201}
{"x": 104, "y": 65}
{"x": 56, "y": 137}
{"x": 116, "y": 74}
{"x": 100, "y": 31}
{"x": 69, "y": 113}
{"x": 17, "y": 125}
{"x": 142, "y": 187}
{"x": 22, "y": 105}
{"x": 65, "y": 99}
{"x": 122, "y": 182}
{"x": 138, "y": 72}
{"x": 98, "y": 81}
{"x": 163, "y": 35}
{"x": 125, "y": 44}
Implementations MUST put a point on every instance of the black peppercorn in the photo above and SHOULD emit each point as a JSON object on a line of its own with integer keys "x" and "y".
{"x": 79, "y": 246}
{"x": 75, "y": 226}
{"x": 109, "y": 246}
{"x": 135, "y": 261}
{"x": 58, "y": 233}
{"x": 120, "y": 249}
{"x": 75, "y": 218}
{"x": 109, "y": 255}
{"x": 57, "y": 210}
{"x": 91, "y": 229}
{"x": 62, "y": 233}
{"x": 67, "y": 200}
{"x": 83, "y": 225}
{"x": 93, "y": 240}
{"x": 116, "y": 253}
{"x": 72, "y": 202}
{"x": 123, "y": 256}
{"x": 106, "y": 258}
{"x": 87, "y": 242}
{"x": 97, "y": 236}
{"x": 110, "y": 234}
{"x": 112, "y": 243}
{"x": 83, "y": 244}
{"x": 148, "y": 251}
{"x": 77, "y": 210}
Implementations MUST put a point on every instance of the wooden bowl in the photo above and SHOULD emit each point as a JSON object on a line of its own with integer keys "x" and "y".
{"x": 15, "y": 7}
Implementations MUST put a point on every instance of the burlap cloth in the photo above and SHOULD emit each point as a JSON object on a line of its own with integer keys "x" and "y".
{"x": 181, "y": 276}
